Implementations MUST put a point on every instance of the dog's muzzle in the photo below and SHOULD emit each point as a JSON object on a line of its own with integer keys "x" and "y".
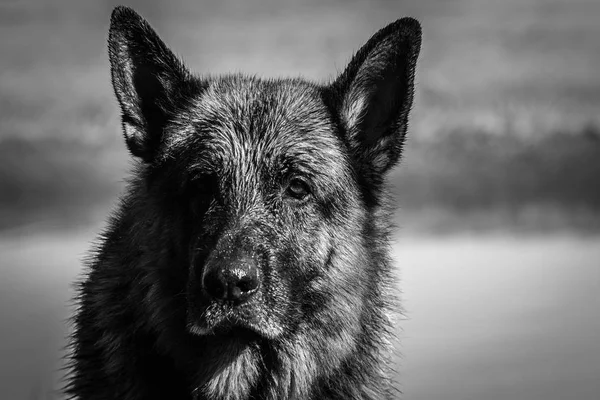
{"x": 227, "y": 291}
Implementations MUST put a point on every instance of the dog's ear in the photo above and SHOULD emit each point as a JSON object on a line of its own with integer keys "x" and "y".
{"x": 373, "y": 96}
{"x": 147, "y": 79}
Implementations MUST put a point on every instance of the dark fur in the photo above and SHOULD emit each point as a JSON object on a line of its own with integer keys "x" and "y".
{"x": 216, "y": 158}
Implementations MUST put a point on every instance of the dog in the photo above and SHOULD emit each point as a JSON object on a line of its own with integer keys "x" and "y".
{"x": 249, "y": 256}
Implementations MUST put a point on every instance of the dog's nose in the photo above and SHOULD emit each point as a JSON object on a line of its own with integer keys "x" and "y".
{"x": 232, "y": 280}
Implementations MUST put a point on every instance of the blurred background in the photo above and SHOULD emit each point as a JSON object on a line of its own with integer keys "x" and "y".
{"x": 498, "y": 247}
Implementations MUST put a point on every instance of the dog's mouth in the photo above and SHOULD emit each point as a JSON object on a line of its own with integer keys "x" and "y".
{"x": 226, "y": 331}
{"x": 232, "y": 323}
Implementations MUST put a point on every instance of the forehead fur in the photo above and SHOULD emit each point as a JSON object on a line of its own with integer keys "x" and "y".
{"x": 239, "y": 117}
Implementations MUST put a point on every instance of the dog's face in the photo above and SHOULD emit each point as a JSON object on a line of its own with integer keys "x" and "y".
{"x": 271, "y": 184}
{"x": 274, "y": 179}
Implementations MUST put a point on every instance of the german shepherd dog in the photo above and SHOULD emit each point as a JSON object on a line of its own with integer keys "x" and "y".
{"x": 249, "y": 256}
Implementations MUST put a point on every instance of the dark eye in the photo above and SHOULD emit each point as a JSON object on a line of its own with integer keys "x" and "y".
{"x": 298, "y": 189}
{"x": 202, "y": 191}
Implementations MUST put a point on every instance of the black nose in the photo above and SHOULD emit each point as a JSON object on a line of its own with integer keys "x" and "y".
{"x": 234, "y": 279}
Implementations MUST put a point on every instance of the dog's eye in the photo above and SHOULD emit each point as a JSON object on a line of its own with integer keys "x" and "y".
{"x": 203, "y": 189}
{"x": 298, "y": 189}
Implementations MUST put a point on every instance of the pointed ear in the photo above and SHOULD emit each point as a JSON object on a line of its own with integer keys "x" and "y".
{"x": 373, "y": 96}
{"x": 147, "y": 79}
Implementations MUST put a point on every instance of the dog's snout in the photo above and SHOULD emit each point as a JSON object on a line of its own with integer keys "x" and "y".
{"x": 231, "y": 279}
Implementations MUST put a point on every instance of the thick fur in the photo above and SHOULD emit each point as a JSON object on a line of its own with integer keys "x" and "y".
{"x": 216, "y": 160}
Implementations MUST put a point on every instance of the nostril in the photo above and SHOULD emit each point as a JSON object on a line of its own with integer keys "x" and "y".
{"x": 248, "y": 284}
{"x": 215, "y": 284}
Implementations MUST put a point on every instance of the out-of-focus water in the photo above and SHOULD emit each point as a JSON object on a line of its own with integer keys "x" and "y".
{"x": 486, "y": 317}
{"x": 501, "y": 318}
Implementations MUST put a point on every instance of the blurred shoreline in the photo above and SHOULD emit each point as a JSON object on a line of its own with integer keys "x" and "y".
{"x": 465, "y": 180}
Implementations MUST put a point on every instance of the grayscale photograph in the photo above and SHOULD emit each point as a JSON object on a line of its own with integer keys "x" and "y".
{"x": 300, "y": 200}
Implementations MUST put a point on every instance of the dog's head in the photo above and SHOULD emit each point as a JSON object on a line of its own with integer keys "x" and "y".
{"x": 273, "y": 181}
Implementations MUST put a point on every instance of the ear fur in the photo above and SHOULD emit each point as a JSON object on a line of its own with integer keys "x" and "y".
{"x": 373, "y": 96}
{"x": 147, "y": 79}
